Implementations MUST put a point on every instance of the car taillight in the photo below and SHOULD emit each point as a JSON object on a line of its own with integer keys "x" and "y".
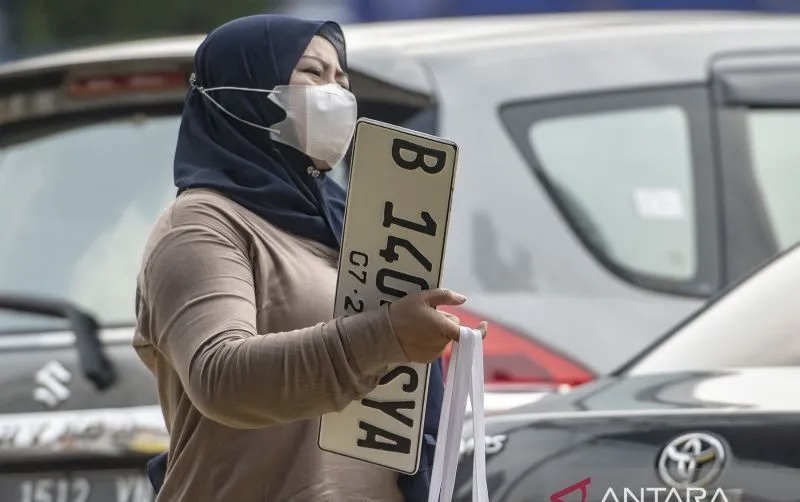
{"x": 511, "y": 358}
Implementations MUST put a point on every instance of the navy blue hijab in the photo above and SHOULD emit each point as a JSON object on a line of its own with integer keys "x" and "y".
{"x": 240, "y": 161}
{"x": 218, "y": 152}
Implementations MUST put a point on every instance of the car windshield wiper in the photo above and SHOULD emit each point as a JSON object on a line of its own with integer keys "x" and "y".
{"x": 94, "y": 363}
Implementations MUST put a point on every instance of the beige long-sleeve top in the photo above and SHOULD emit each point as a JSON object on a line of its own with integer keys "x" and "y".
{"x": 234, "y": 321}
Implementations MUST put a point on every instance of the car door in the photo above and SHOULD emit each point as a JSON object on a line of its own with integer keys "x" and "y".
{"x": 757, "y": 98}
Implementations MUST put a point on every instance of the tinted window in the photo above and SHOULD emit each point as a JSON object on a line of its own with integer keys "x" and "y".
{"x": 776, "y": 164}
{"x": 755, "y": 324}
{"x": 76, "y": 207}
{"x": 625, "y": 178}
{"x": 78, "y": 200}
{"x": 632, "y": 172}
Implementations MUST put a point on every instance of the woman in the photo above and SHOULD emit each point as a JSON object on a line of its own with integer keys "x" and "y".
{"x": 237, "y": 285}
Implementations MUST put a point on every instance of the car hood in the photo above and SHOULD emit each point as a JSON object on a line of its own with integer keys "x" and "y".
{"x": 756, "y": 389}
{"x": 614, "y": 432}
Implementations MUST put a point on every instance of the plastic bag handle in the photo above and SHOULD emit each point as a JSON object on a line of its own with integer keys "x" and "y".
{"x": 480, "y": 489}
{"x": 464, "y": 379}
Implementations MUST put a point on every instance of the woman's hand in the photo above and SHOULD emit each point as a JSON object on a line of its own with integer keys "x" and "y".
{"x": 423, "y": 331}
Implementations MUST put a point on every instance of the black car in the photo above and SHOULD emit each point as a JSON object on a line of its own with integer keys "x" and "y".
{"x": 710, "y": 412}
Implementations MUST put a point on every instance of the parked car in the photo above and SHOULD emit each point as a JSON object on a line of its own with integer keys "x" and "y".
{"x": 616, "y": 170}
{"x": 709, "y": 412}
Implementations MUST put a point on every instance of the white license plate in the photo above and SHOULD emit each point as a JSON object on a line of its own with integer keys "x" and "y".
{"x": 81, "y": 486}
{"x": 398, "y": 209}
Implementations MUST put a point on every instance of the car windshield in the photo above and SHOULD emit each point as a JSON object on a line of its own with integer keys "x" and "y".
{"x": 77, "y": 201}
{"x": 756, "y": 324}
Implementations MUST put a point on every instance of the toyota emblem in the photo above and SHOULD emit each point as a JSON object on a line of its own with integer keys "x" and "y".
{"x": 691, "y": 460}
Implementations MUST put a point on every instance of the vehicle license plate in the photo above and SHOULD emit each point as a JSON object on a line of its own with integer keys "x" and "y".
{"x": 396, "y": 218}
{"x": 79, "y": 486}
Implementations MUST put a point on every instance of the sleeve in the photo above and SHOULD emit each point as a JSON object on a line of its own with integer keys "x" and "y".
{"x": 200, "y": 294}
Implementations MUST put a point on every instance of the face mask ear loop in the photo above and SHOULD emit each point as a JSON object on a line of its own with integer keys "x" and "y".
{"x": 205, "y": 92}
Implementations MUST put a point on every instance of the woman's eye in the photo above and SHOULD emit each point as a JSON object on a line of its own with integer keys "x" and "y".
{"x": 315, "y": 71}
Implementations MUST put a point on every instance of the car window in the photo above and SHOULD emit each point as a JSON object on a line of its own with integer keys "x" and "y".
{"x": 625, "y": 178}
{"x": 632, "y": 173}
{"x": 775, "y": 157}
{"x": 76, "y": 207}
{"x": 756, "y": 324}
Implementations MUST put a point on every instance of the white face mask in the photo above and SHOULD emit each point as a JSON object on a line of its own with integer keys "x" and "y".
{"x": 320, "y": 119}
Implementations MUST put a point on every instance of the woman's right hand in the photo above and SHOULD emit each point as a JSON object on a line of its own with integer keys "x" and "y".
{"x": 423, "y": 331}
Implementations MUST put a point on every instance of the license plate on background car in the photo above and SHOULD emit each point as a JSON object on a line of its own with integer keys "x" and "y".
{"x": 80, "y": 486}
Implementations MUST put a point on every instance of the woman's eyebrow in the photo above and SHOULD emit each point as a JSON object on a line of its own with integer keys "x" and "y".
{"x": 325, "y": 65}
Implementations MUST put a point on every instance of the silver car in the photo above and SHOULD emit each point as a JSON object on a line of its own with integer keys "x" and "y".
{"x": 616, "y": 171}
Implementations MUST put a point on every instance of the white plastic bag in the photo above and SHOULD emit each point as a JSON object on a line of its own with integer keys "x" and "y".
{"x": 464, "y": 377}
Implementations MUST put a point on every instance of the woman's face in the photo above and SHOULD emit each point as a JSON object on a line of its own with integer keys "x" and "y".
{"x": 319, "y": 65}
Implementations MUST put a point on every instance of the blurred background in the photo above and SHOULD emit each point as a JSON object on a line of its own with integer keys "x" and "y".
{"x": 35, "y": 26}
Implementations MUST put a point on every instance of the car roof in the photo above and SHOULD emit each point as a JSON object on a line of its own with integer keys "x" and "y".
{"x": 679, "y": 43}
{"x": 441, "y": 34}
